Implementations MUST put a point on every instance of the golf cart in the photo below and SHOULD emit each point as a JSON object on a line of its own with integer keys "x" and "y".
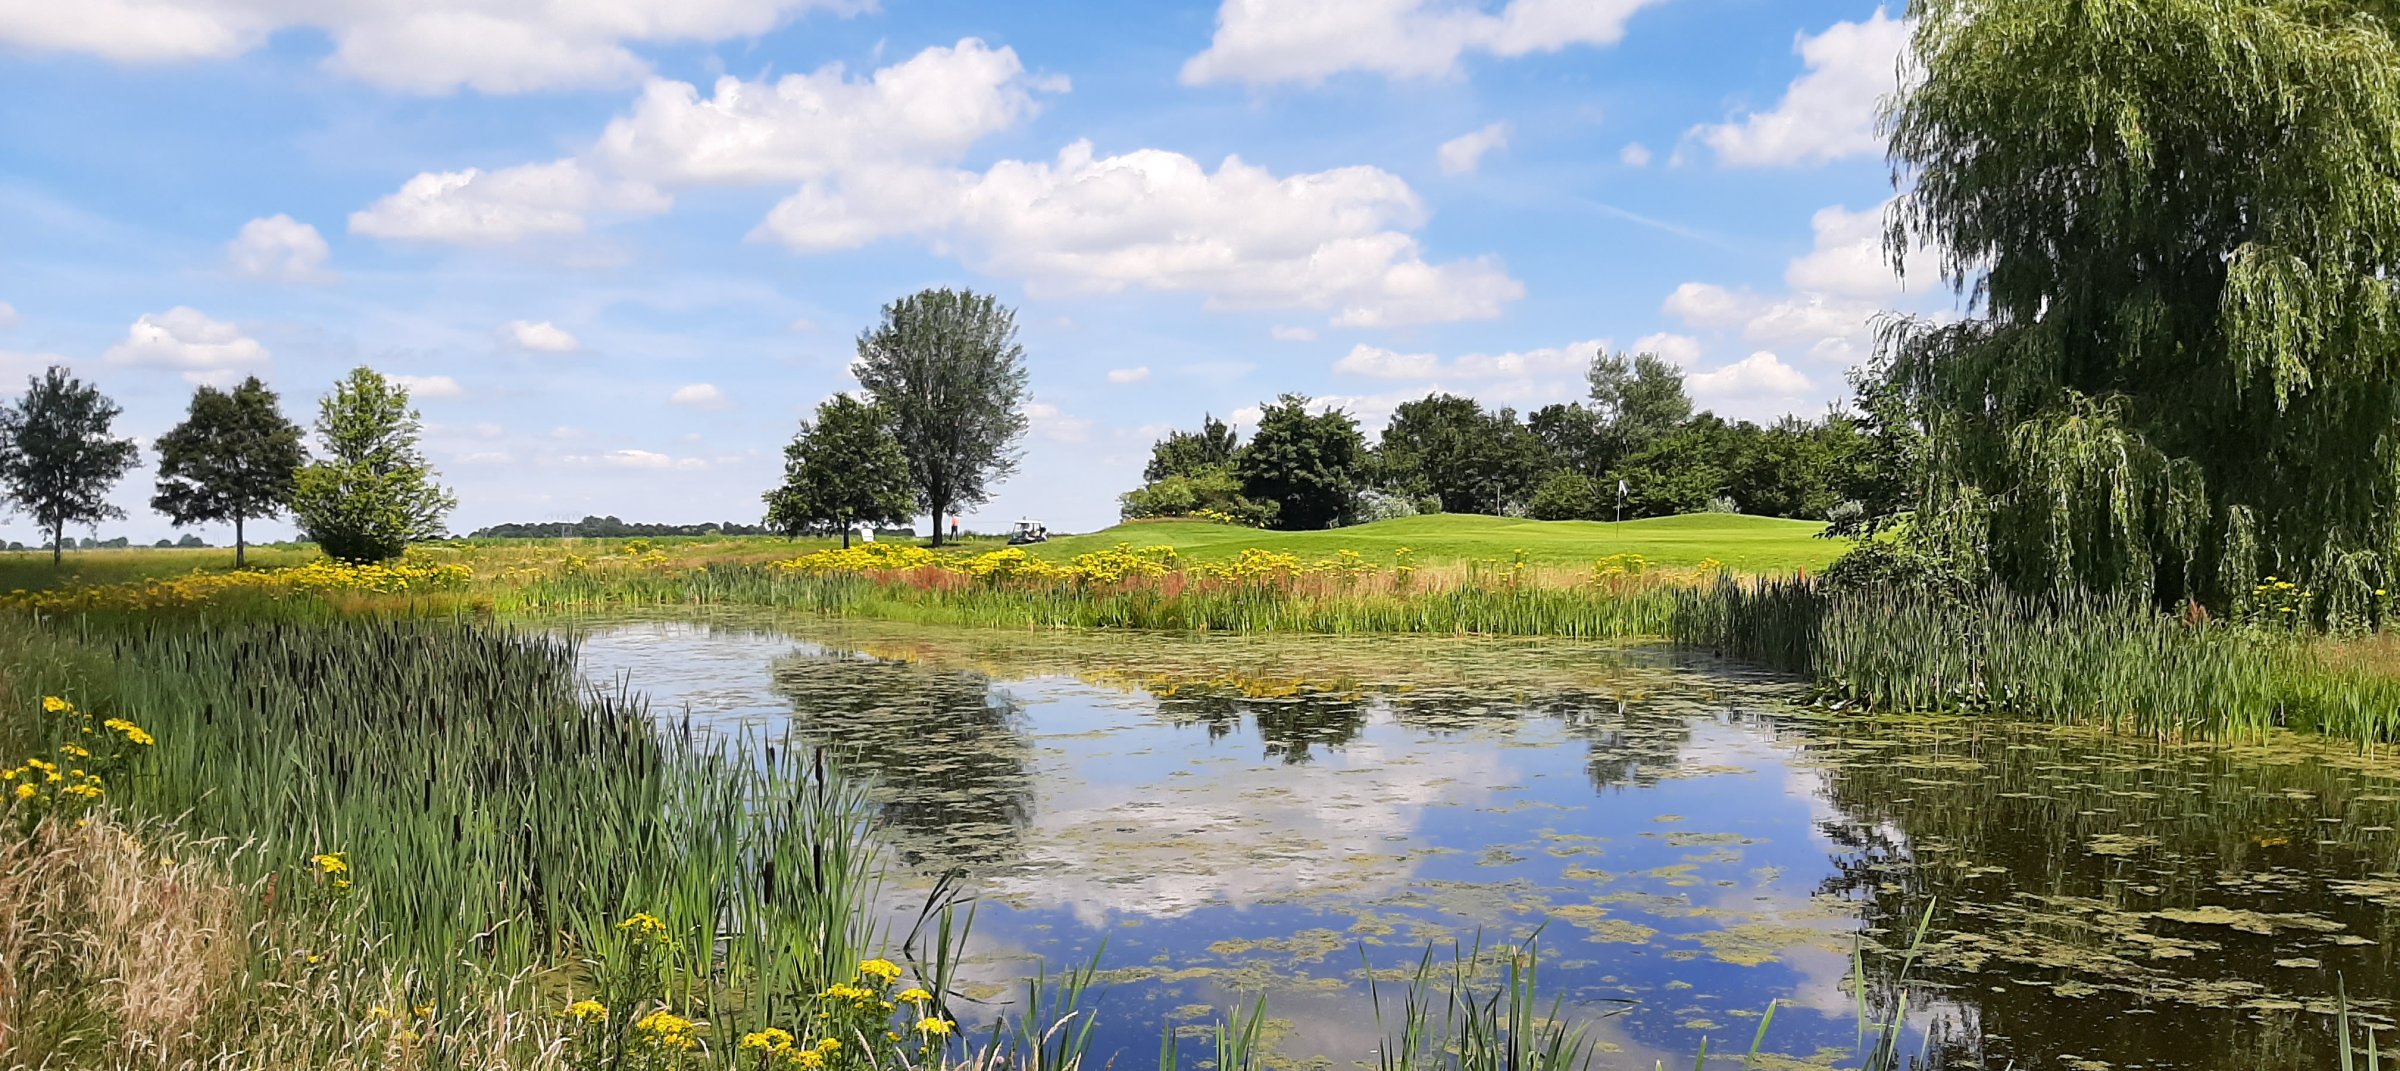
{"x": 1028, "y": 531}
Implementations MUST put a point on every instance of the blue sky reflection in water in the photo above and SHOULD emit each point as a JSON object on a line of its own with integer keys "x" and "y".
{"x": 1235, "y": 816}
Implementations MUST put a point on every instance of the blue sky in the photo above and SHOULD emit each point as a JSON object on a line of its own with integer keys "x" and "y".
{"x": 622, "y": 246}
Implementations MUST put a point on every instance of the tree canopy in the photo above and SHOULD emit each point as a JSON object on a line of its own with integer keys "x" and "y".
{"x": 2177, "y": 223}
{"x": 57, "y": 456}
{"x": 1310, "y": 466}
{"x": 1637, "y": 400}
{"x": 946, "y": 365}
{"x": 371, "y": 494}
{"x": 842, "y": 470}
{"x": 1191, "y": 453}
{"x": 1451, "y": 448}
{"x": 234, "y": 457}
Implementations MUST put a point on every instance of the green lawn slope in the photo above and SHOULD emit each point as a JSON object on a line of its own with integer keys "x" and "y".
{"x": 1747, "y": 544}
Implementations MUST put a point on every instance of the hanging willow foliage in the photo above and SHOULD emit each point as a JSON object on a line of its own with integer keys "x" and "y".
{"x": 2177, "y": 224}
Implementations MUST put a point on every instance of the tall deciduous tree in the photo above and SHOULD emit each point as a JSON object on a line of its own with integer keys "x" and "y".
{"x": 1192, "y": 453}
{"x": 842, "y": 470}
{"x": 1639, "y": 400}
{"x": 233, "y": 458}
{"x": 2178, "y": 222}
{"x": 372, "y": 494}
{"x": 57, "y": 458}
{"x": 1309, "y": 465}
{"x": 946, "y": 365}
{"x": 1449, "y": 447}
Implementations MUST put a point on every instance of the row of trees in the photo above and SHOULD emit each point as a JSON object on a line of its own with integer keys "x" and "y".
{"x": 935, "y": 427}
{"x": 610, "y": 527}
{"x": 1634, "y": 447}
{"x": 234, "y": 458}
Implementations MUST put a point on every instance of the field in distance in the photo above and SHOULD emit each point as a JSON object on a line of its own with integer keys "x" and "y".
{"x": 1745, "y": 544}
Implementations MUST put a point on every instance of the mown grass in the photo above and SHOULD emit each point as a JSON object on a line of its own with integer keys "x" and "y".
{"x": 1745, "y": 544}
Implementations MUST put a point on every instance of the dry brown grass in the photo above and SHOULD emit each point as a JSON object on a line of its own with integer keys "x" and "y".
{"x": 129, "y": 948}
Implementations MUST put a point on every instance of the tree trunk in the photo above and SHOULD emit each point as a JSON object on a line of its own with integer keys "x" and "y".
{"x": 845, "y": 535}
{"x": 58, "y": 542}
{"x": 941, "y": 512}
{"x": 238, "y": 547}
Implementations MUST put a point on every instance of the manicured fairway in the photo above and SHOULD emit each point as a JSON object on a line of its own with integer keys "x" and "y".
{"x": 1748, "y": 544}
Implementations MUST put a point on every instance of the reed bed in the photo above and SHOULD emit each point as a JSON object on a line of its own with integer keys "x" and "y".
{"x": 2060, "y": 659}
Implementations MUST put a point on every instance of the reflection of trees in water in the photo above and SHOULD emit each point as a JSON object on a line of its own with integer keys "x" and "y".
{"x": 948, "y": 762}
{"x": 2047, "y": 951}
{"x": 1289, "y": 725}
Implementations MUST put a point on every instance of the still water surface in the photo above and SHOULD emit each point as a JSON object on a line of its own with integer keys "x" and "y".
{"x": 1218, "y": 818}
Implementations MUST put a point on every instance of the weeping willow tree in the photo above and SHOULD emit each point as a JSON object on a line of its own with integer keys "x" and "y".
{"x": 2176, "y": 224}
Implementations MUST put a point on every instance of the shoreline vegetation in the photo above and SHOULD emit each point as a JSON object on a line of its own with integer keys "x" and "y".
{"x": 1864, "y": 643}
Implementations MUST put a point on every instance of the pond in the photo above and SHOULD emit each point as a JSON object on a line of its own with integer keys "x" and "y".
{"x": 1218, "y": 818}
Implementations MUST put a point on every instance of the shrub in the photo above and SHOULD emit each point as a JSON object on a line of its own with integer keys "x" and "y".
{"x": 1567, "y": 496}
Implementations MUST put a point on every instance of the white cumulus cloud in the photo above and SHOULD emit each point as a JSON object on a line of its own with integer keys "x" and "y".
{"x": 542, "y": 337}
{"x": 1680, "y": 350}
{"x": 477, "y": 207}
{"x": 1828, "y": 113}
{"x": 427, "y": 46}
{"x": 430, "y": 386}
{"x": 637, "y": 459}
{"x": 929, "y": 108}
{"x": 279, "y": 247}
{"x": 1128, "y": 375}
{"x": 1288, "y": 333}
{"x": 8, "y": 315}
{"x": 1158, "y": 220}
{"x": 1267, "y": 41}
{"x": 1547, "y": 364}
{"x": 1046, "y": 421}
{"x": 1835, "y": 293}
{"x": 1463, "y": 154}
{"x": 1761, "y": 375}
{"x": 700, "y": 396}
{"x": 185, "y": 338}
{"x": 1634, "y": 154}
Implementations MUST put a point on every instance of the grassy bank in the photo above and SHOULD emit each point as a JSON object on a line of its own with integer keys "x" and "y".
{"x": 1744, "y": 544}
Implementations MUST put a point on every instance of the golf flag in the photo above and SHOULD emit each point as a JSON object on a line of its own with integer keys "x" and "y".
{"x": 1620, "y": 488}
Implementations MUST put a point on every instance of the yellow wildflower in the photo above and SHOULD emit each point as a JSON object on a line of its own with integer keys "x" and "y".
{"x": 55, "y": 705}
{"x": 829, "y": 1045}
{"x": 914, "y": 995}
{"x": 769, "y": 1040}
{"x": 26, "y": 792}
{"x": 934, "y": 1028}
{"x": 330, "y": 863}
{"x": 882, "y": 970}
{"x": 645, "y": 925}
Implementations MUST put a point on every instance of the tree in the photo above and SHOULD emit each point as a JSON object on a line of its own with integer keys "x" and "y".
{"x": 1192, "y": 453}
{"x": 1309, "y": 466}
{"x": 1568, "y": 495}
{"x": 842, "y": 470}
{"x": 946, "y": 365}
{"x": 1572, "y": 437}
{"x": 57, "y": 460}
{"x": 1638, "y": 401}
{"x": 372, "y": 494}
{"x": 2177, "y": 226}
{"x": 1449, "y": 447}
{"x": 234, "y": 457}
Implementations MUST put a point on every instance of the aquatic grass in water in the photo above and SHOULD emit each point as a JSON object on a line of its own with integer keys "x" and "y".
{"x": 2066, "y": 659}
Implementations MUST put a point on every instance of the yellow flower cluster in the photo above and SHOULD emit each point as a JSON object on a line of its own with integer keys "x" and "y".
{"x": 586, "y": 1010}
{"x": 200, "y": 589}
{"x": 863, "y": 558}
{"x": 779, "y": 1046}
{"x": 666, "y": 1031}
{"x": 645, "y": 927}
{"x": 68, "y": 784}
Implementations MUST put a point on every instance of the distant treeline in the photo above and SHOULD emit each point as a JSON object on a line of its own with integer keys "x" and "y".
{"x": 612, "y": 528}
